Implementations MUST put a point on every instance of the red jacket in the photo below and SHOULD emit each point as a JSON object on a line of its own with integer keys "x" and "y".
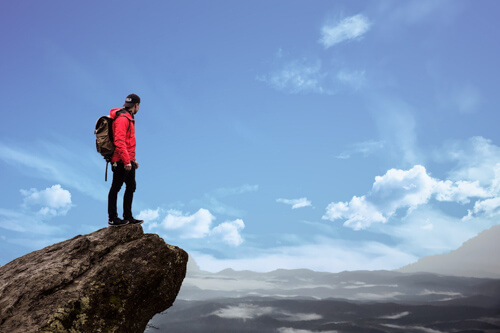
{"x": 124, "y": 136}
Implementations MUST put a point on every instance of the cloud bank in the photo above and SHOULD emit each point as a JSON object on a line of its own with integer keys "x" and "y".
{"x": 401, "y": 190}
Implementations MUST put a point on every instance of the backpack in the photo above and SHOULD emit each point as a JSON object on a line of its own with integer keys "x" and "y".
{"x": 104, "y": 140}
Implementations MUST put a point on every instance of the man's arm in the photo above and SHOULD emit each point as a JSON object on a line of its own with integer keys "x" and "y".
{"x": 120, "y": 126}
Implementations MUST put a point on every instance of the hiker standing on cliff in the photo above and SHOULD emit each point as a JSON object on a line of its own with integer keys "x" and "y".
{"x": 123, "y": 161}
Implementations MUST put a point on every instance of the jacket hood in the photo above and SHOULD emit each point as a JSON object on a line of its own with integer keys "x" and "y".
{"x": 112, "y": 114}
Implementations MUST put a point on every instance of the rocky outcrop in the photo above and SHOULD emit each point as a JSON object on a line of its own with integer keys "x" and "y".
{"x": 112, "y": 280}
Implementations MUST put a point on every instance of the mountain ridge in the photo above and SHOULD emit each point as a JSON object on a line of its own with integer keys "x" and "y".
{"x": 475, "y": 258}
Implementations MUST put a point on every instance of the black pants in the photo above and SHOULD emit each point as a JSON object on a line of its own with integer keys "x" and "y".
{"x": 120, "y": 176}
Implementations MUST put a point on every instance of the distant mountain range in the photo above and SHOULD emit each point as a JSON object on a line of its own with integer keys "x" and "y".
{"x": 477, "y": 257}
{"x": 446, "y": 293}
{"x": 304, "y": 301}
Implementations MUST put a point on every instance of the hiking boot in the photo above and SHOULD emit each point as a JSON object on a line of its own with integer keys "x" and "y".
{"x": 117, "y": 222}
{"x": 131, "y": 220}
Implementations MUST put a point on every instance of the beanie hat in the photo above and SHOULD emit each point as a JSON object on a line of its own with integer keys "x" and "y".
{"x": 131, "y": 100}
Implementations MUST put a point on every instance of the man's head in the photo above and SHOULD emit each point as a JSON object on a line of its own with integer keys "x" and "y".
{"x": 132, "y": 103}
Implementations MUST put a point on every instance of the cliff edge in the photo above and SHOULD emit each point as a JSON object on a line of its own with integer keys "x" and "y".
{"x": 112, "y": 280}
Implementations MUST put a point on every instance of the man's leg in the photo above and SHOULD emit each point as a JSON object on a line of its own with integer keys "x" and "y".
{"x": 128, "y": 197}
{"x": 116, "y": 185}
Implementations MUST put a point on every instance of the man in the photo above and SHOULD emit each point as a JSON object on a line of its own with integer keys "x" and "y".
{"x": 123, "y": 161}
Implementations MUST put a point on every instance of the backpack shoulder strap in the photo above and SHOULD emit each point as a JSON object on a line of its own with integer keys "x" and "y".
{"x": 120, "y": 113}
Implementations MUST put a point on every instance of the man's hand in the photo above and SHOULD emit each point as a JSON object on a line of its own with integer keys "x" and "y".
{"x": 128, "y": 167}
{"x": 136, "y": 164}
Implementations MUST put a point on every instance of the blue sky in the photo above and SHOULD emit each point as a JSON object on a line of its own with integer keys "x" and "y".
{"x": 330, "y": 135}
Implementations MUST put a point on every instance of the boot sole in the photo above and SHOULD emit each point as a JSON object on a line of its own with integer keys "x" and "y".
{"x": 117, "y": 225}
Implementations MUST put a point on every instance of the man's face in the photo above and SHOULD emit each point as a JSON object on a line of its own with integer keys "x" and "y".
{"x": 136, "y": 108}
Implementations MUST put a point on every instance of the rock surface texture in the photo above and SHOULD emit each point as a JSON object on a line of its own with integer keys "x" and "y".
{"x": 112, "y": 280}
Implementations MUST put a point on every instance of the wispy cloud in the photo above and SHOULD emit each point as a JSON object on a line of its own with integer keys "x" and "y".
{"x": 214, "y": 200}
{"x": 476, "y": 159}
{"x": 395, "y": 120}
{"x": 355, "y": 79}
{"x": 416, "y": 12}
{"x": 467, "y": 99}
{"x": 300, "y": 76}
{"x": 296, "y": 203}
{"x": 426, "y": 231}
{"x": 26, "y": 222}
{"x": 349, "y": 28}
{"x": 228, "y": 191}
{"x": 365, "y": 148}
{"x": 325, "y": 255}
{"x": 306, "y": 76}
{"x": 56, "y": 162}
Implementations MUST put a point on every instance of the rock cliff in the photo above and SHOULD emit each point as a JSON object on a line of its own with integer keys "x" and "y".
{"x": 112, "y": 280}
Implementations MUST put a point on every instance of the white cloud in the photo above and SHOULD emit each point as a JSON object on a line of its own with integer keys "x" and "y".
{"x": 296, "y": 203}
{"x": 478, "y": 164}
{"x": 358, "y": 213}
{"x": 196, "y": 225}
{"x": 37, "y": 207}
{"x": 488, "y": 207}
{"x": 401, "y": 189}
{"x": 149, "y": 215}
{"x": 230, "y": 232}
{"x": 349, "y": 28}
{"x": 460, "y": 191}
{"x": 53, "y": 201}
